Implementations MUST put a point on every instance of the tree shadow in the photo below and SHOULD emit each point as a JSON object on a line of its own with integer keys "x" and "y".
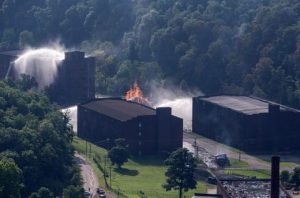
{"x": 149, "y": 160}
{"x": 125, "y": 171}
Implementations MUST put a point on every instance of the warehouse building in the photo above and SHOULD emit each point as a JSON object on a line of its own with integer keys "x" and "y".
{"x": 147, "y": 131}
{"x": 6, "y": 58}
{"x": 247, "y": 123}
{"x": 75, "y": 82}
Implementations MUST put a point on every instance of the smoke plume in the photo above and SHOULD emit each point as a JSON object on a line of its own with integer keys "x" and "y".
{"x": 180, "y": 101}
{"x": 72, "y": 114}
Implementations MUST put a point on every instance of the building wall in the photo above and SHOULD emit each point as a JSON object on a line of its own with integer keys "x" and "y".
{"x": 4, "y": 64}
{"x": 273, "y": 131}
{"x": 75, "y": 81}
{"x": 145, "y": 135}
{"x": 141, "y": 134}
{"x": 170, "y": 131}
{"x": 218, "y": 123}
{"x": 97, "y": 128}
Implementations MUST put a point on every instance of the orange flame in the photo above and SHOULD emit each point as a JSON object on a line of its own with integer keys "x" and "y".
{"x": 135, "y": 94}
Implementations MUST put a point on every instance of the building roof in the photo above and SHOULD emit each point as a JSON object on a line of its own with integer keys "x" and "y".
{"x": 118, "y": 109}
{"x": 244, "y": 104}
{"x": 11, "y": 53}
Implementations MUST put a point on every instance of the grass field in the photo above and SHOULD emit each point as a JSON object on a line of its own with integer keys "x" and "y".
{"x": 235, "y": 163}
{"x": 288, "y": 165}
{"x": 259, "y": 174}
{"x": 138, "y": 176}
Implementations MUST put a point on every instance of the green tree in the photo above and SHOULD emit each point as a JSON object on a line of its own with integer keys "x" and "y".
{"x": 118, "y": 154}
{"x": 180, "y": 173}
{"x": 284, "y": 177}
{"x": 26, "y": 38}
{"x": 73, "y": 192}
{"x": 26, "y": 82}
{"x": 296, "y": 177}
{"x": 10, "y": 179}
{"x": 42, "y": 193}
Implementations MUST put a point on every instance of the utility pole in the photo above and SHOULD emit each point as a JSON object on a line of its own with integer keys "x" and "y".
{"x": 90, "y": 149}
{"x": 105, "y": 158}
{"x": 196, "y": 148}
{"x": 86, "y": 152}
{"x": 110, "y": 177}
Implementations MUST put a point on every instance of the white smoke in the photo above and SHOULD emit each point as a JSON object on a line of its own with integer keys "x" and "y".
{"x": 42, "y": 64}
{"x": 181, "y": 107}
{"x": 180, "y": 102}
{"x": 72, "y": 114}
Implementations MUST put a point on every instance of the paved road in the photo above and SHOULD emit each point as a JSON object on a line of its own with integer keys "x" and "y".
{"x": 89, "y": 177}
{"x": 216, "y": 148}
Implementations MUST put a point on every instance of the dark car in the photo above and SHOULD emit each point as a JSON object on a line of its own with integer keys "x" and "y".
{"x": 101, "y": 193}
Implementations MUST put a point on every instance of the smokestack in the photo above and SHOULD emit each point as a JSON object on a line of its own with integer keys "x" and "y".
{"x": 275, "y": 177}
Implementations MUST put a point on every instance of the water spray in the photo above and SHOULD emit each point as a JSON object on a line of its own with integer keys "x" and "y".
{"x": 42, "y": 64}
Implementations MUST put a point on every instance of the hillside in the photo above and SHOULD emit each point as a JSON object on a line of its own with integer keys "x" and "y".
{"x": 218, "y": 46}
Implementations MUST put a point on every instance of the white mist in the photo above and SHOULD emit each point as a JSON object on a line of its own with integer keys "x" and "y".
{"x": 181, "y": 107}
{"x": 72, "y": 114}
{"x": 42, "y": 64}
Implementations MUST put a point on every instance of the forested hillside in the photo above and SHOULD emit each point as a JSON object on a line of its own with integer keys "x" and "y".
{"x": 36, "y": 155}
{"x": 247, "y": 47}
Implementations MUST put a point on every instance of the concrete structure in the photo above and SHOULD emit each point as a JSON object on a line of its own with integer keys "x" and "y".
{"x": 247, "y": 123}
{"x": 75, "y": 82}
{"x": 147, "y": 131}
{"x": 275, "y": 177}
{"x": 5, "y": 60}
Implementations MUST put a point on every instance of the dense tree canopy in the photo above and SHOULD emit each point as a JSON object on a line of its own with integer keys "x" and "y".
{"x": 247, "y": 47}
{"x": 36, "y": 155}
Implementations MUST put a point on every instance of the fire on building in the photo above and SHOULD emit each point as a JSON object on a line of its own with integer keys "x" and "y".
{"x": 135, "y": 94}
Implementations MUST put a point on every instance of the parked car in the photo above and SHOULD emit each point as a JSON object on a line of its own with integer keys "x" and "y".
{"x": 87, "y": 194}
{"x": 101, "y": 193}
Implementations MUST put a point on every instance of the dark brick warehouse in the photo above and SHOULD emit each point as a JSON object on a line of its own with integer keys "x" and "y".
{"x": 147, "y": 131}
{"x": 75, "y": 82}
{"x": 248, "y": 123}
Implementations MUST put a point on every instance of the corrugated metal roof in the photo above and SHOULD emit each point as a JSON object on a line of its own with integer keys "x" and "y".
{"x": 244, "y": 104}
{"x": 118, "y": 109}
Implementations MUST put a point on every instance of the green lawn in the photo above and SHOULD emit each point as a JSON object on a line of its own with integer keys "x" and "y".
{"x": 260, "y": 174}
{"x": 288, "y": 165}
{"x": 235, "y": 163}
{"x": 137, "y": 176}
